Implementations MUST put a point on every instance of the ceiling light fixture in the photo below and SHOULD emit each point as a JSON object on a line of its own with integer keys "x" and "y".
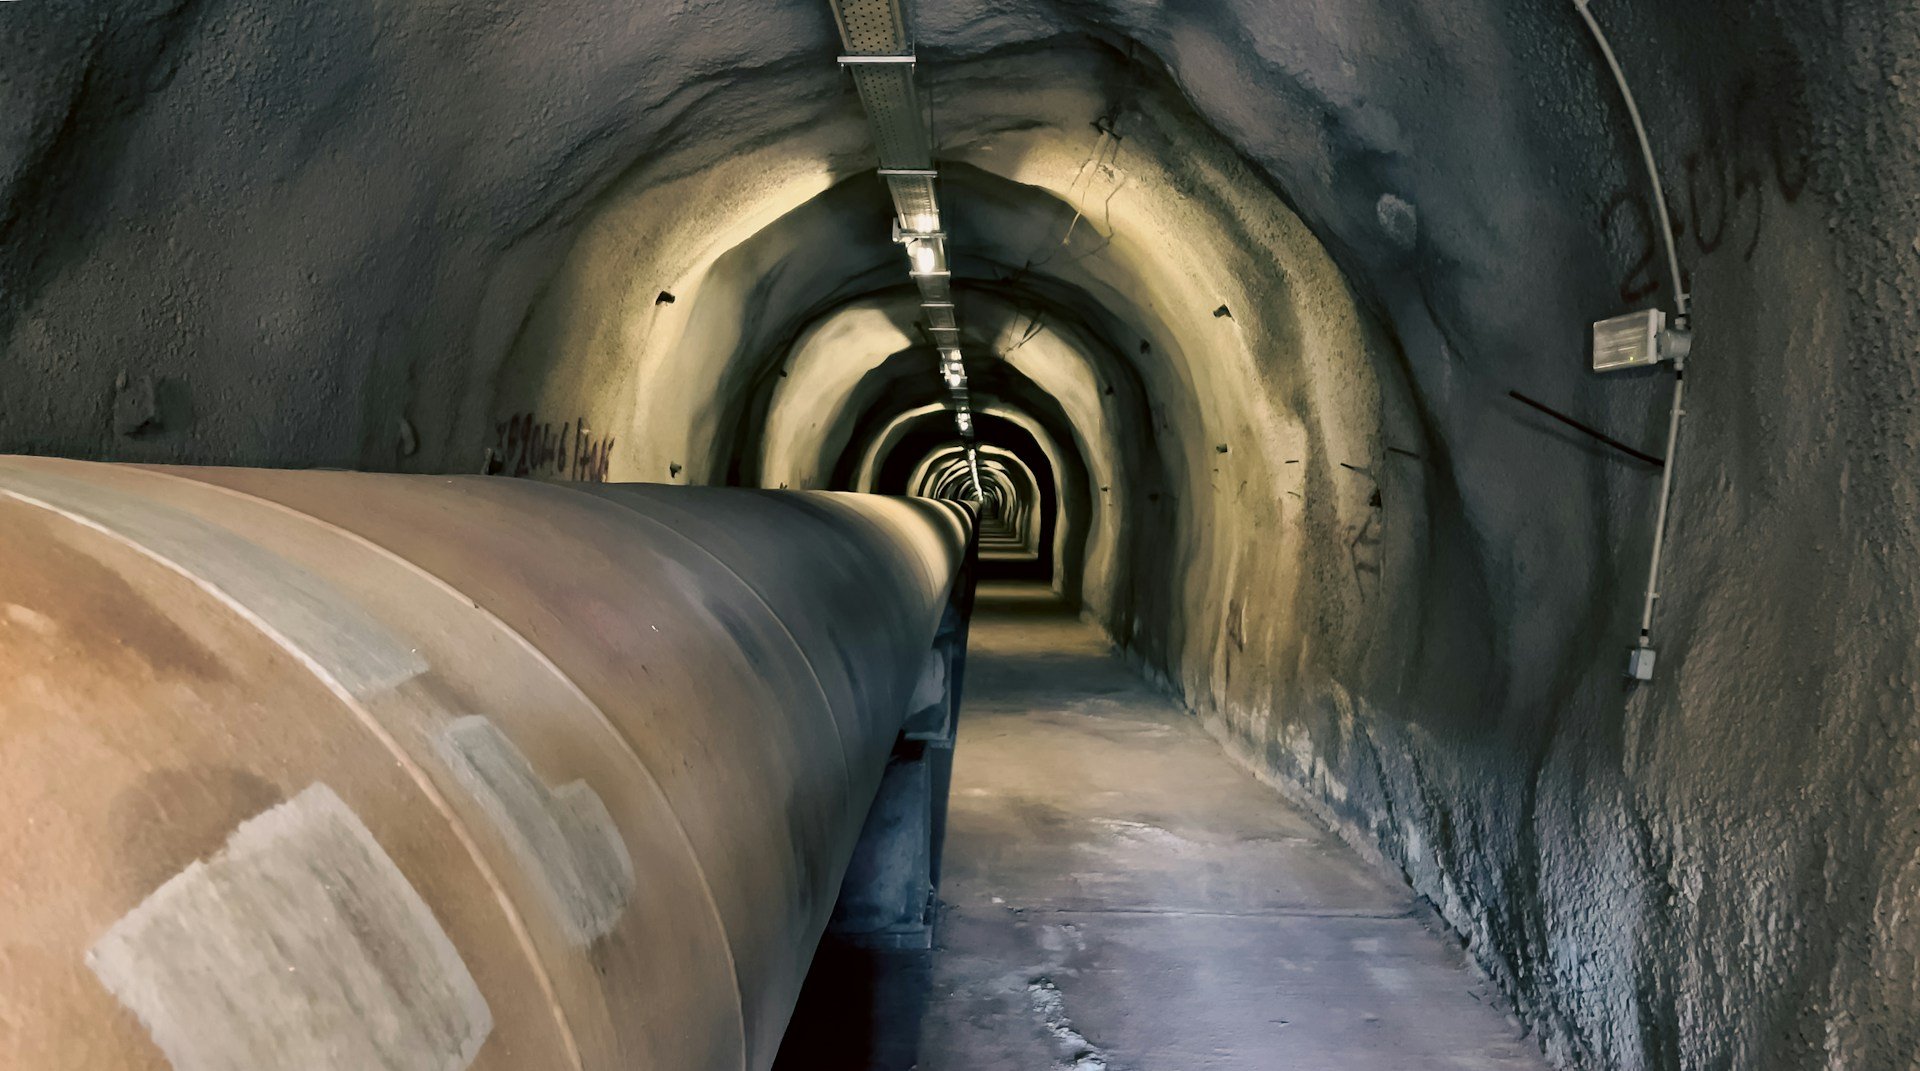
{"x": 878, "y": 56}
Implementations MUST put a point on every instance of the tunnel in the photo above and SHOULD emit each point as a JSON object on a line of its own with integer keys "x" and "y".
{"x": 1350, "y": 534}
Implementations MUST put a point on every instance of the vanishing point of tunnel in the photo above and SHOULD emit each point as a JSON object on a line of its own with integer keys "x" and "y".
{"x": 986, "y": 535}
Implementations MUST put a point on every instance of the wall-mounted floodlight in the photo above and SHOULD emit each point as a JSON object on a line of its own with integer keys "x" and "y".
{"x": 1638, "y": 340}
{"x": 924, "y": 258}
{"x": 1641, "y": 340}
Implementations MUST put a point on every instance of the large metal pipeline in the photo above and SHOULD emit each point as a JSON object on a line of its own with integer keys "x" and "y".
{"x": 329, "y": 770}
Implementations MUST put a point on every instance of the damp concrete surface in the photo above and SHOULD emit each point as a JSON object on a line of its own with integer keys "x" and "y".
{"x": 1120, "y": 896}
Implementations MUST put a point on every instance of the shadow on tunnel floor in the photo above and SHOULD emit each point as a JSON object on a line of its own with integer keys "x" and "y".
{"x": 1003, "y": 599}
{"x": 859, "y": 1009}
{"x": 865, "y": 1009}
{"x": 1016, "y": 570}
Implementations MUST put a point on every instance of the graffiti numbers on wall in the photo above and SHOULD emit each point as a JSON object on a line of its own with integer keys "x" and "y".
{"x": 523, "y": 446}
{"x": 1756, "y": 144}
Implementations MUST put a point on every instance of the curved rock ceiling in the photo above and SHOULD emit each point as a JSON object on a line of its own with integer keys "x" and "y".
{"x": 1250, "y": 282}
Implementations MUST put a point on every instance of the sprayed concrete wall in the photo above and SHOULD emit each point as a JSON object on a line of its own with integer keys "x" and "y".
{"x": 1265, "y": 273}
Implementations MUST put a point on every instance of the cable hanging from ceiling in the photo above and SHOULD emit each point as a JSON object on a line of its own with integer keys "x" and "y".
{"x": 878, "y": 53}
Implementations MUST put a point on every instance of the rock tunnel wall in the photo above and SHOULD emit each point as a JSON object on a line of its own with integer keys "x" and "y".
{"x": 1259, "y": 277}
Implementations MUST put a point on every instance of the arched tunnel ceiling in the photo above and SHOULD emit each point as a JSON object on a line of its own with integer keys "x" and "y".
{"x": 1309, "y": 248}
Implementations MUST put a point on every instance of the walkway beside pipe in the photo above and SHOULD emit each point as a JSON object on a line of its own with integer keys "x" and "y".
{"x": 1121, "y": 896}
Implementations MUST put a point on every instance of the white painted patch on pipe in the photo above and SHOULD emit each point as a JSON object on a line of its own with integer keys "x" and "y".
{"x": 313, "y": 616}
{"x": 30, "y": 619}
{"x": 298, "y": 947}
{"x": 564, "y": 838}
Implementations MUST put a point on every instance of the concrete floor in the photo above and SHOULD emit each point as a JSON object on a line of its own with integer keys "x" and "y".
{"x": 1119, "y": 895}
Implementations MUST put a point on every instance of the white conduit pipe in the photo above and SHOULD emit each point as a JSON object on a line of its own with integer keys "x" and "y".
{"x": 1646, "y": 154}
{"x": 1641, "y": 666}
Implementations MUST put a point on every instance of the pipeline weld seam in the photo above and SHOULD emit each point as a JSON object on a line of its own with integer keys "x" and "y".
{"x": 681, "y": 538}
{"x": 567, "y": 683}
{"x": 346, "y": 697}
{"x": 846, "y": 775}
{"x": 826, "y": 703}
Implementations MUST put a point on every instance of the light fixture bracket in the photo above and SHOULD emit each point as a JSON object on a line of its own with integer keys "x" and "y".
{"x": 1640, "y": 339}
{"x": 903, "y": 236}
